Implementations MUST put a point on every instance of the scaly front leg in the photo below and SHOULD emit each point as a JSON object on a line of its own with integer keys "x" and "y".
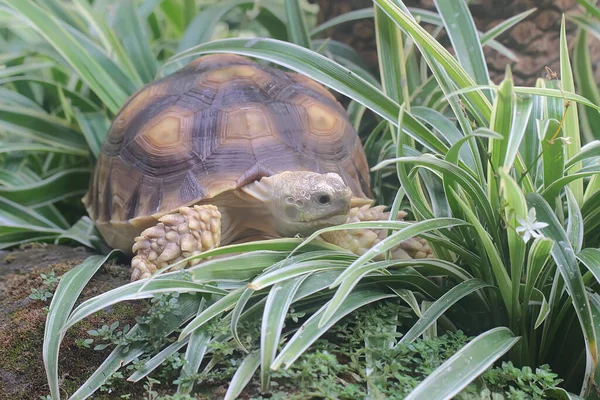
{"x": 360, "y": 240}
{"x": 186, "y": 232}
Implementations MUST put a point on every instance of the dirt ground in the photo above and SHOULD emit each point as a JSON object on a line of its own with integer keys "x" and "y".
{"x": 22, "y": 320}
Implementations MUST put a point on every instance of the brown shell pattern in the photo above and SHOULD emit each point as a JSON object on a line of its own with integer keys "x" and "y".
{"x": 219, "y": 123}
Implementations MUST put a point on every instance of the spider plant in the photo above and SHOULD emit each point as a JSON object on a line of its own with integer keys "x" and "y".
{"x": 494, "y": 177}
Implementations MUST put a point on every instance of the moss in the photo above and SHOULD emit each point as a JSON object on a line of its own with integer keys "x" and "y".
{"x": 22, "y": 320}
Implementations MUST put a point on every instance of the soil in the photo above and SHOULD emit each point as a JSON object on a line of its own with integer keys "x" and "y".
{"x": 22, "y": 320}
{"x": 535, "y": 41}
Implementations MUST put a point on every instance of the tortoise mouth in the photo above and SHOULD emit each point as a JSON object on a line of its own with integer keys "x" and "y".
{"x": 336, "y": 220}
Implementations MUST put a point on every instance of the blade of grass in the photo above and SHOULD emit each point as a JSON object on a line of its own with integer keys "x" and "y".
{"x": 78, "y": 58}
{"x": 194, "y": 354}
{"x": 276, "y": 308}
{"x": 437, "y": 52}
{"x": 153, "y": 363}
{"x": 243, "y": 375}
{"x": 586, "y": 83}
{"x": 130, "y": 30}
{"x": 296, "y": 26}
{"x": 62, "y": 185}
{"x": 391, "y": 59}
{"x": 310, "y": 331}
{"x": 202, "y": 27}
{"x": 461, "y": 30}
{"x": 575, "y": 231}
{"x": 67, "y": 292}
{"x": 564, "y": 257}
{"x": 571, "y": 121}
{"x": 218, "y": 307}
{"x": 125, "y": 353}
{"x": 131, "y": 291}
{"x": 357, "y": 270}
{"x": 440, "y": 306}
{"x": 465, "y": 366}
{"x": 515, "y": 210}
{"x": 590, "y": 150}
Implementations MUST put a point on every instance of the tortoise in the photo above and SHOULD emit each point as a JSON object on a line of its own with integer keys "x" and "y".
{"x": 226, "y": 150}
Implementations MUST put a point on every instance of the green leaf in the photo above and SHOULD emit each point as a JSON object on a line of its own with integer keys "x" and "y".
{"x": 575, "y": 231}
{"x": 465, "y": 41}
{"x": 84, "y": 232}
{"x": 203, "y": 26}
{"x": 392, "y": 68}
{"x": 454, "y": 174}
{"x": 591, "y": 259}
{"x": 138, "y": 290}
{"x": 449, "y": 131}
{"x": 194, "y": 354}
{"x": 309, "y": 332}
{"x": 590, "y": 8}
{"x": 491, "y": 254}
{"x": 359, "y": 268}
{"x": 432, "y": 18}
{"x": 428, "y": 45}
{"x": 277, "y": 275}
{"x": 586, "y": 83}
{"x": 520, "y": 119}
{"x": 539, "y": 254}
{"x": 504, "y": 26}
{"x": 557, "y": 94}
{"x": 124, "y": 354}
{"x": 440, "y": 306}
{"x": 62, "y": 185}
{"x": 465, "y": 366}
{"x": 296, "y": 26}
{"x": 278, "y": 303}
{"x": 94, "y": 126}
{"x": 130, "y": 30}
{"x": 218, "y": 307}
{"x": 552, "y": 151}
{"x": 153, "y": 363}
{"x": 515, "y": 209}
{"x": 40, "y": 127}
{"x": 67, "y": 292}
{"x": 500, "y": 123}
{"x": 98, "y": 78}
{"x": 565, "y": 260}
{"x": 95, "y": 21}
{"x": 243, "y": 375}
{"x": 555, "y": 187}
{"x": 590, "y": 150}
{"x": 354, "y": 15}
{"x": 236, "y": 314}
{"x": 571, "y": 120}
{"x": 77, "y": 100}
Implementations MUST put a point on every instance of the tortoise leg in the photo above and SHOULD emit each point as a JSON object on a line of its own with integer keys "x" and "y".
{"x": 360, "y": 240}
{"x": 186, "y": 232}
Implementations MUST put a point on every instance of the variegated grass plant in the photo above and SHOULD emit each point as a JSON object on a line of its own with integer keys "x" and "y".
{"x": 495, "y": 177}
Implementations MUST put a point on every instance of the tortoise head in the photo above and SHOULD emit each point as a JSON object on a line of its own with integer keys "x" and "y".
{"x": 303, "y": 202}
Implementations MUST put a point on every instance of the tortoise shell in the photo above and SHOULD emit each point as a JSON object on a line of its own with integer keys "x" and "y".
{"x": 217, "y": 124}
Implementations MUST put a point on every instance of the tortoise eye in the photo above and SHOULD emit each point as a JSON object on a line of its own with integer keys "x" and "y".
{"x": 324, "y": 199}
